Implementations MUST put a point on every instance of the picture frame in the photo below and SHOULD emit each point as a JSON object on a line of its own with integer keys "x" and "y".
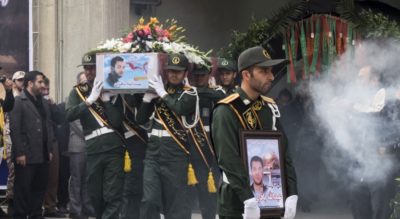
{"x": 263, "y": 155}
{"x": 128, "y": 72}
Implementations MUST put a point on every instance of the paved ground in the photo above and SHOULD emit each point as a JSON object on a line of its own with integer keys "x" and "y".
{"x": 323, "y": 213}
{"x": 339, "y": 211}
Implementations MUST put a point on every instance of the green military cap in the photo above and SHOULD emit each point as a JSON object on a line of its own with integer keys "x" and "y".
{"x": 88, "y": 59}
{"x": 200, "y": 69}
{"x": 257, "y": 56}
{"x": 226, "y": 64}
{"x": 177, "y": 62}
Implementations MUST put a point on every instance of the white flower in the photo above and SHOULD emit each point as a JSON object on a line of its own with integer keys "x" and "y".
{"x": 165, "y": 39}
{"x": 111, "y": 44}
{"x": 150, "y": 44}
{"x": 124, "y": 47}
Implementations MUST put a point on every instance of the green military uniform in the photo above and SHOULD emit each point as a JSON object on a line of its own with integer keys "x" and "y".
{"x": 230, "y": 89}
{"x": 165, "y": 177}
{"x": 227, "y": 65}
{"x": 105, "y": 153}
{"x": 208, "y": 97}
{"x": 226, "y": 125}
{"x": 136, "y": 140}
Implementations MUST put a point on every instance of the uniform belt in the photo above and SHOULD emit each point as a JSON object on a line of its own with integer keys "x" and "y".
{"x": 224, "y": 178}
{"x": 160, "y": 133}
{"x": 129, "y": 134}
{"x": 98, "y": 132}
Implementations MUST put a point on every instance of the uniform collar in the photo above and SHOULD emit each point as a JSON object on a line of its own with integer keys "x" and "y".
{"x": 173, "y": 88}
{"x": 243, "y": 96}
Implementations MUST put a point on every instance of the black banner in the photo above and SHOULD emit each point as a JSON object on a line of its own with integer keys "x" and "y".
{"x": 14, "y": 36}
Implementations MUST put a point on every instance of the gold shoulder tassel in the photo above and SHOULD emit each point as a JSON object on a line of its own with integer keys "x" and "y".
{"x": 211, "y": 183}
{"x": 192, "y": 180}
{"x": 127, "y": 162}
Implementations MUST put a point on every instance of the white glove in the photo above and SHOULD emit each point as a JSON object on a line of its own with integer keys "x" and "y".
{"x": 96, "y": 91}
{"x": 251, "y": 209}
{"x": 290, "y": 207}
{"x": 212, "y": 82}
{"x": 157, "y": 84}
{"x": 186, "y": 81}
{"x": 148, "y": 97}
{"x": 106, "y": 96}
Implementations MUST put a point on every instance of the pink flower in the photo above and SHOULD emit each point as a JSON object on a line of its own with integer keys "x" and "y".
{"x": 140, "y": 33}
{"x": 147, "y": 30}
{"x": 166, "y": 34}
{"x": 128, "y": 38}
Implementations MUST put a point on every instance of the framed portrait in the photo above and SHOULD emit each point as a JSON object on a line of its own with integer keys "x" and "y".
{"x": 264, "y": 157}
{"x": 127, "y": 72}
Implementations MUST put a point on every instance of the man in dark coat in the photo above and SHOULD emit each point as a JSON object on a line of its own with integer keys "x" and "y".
{"x": 32, "y": 137}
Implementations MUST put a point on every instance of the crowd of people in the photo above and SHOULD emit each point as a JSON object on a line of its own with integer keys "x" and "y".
{"x": 109, "y": 155}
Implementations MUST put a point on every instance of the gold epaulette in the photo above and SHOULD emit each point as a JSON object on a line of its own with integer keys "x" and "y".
{"x": 186, "y": 87}
{"x": 229, "y": 98}
{"x": 268, "y": 100}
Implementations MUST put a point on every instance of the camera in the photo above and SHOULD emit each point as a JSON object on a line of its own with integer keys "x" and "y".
{"x": 3, "y": 78}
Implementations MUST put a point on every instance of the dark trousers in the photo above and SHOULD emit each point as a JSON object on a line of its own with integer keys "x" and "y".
{"x": 50, "y": 198}
{"x": 133, "y": 185}
{"x": 79, "y": 199}
{"x": 105, "y": 180}
{"x": 165, "y": 184}
{"x": 207, "y": 200}
{"x": 63, "y": 176}
{"x": 370, "y": 200}
{"x": 29, "y": 189}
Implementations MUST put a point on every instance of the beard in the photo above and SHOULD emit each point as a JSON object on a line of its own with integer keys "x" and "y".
{"x": 258, "y": 183}
{"x": 261, "y": 88}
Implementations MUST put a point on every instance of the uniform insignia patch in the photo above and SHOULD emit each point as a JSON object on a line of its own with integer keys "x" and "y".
{"x": 176, "y": 60}
{"x": 171, "y": 90}
{"x": 87, "y": 58}
{"x": 266, "y": 54}
{"x": 257, "y": 105}
{"x": 250, "y": 119}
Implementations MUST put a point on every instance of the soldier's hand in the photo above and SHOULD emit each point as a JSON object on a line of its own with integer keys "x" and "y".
{"x": 157, "y": 84}
{"x": 251, "y": 209}
{"x": 50, "y": 156}
{"x": 290, "y": 207}
{"x": 106, "y": 96}
{"x": 96, "y": 91}
{"x": 21, "y": 160}
{"x": 148, "y": 97}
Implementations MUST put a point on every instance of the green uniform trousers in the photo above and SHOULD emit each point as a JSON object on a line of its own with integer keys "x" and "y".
{"x": 133, "y": 185}
{"x": 165, "y": 179}
{"x": 165, "y": 184}
{"x": 105, "y": 179}
{"x": 207, "y": 200}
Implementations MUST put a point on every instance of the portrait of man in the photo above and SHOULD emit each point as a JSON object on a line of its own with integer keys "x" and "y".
{"x": 258, "y": 187}
{"x": 117, "y": 70}
{"x": 265, "y": 177}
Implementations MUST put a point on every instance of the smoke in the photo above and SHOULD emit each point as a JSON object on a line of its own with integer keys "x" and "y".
{"x": 354, "y": 127}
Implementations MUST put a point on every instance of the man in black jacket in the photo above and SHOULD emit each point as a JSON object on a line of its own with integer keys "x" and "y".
{"x": 32, "y": 137}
